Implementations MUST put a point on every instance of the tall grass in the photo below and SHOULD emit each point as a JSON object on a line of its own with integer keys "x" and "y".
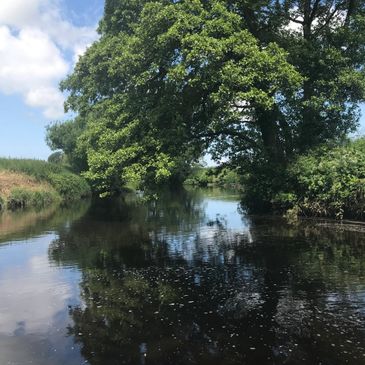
{"x": 22, "y": 198}
{"x": 68, "y": 185}
{"x": 36, "y": 168}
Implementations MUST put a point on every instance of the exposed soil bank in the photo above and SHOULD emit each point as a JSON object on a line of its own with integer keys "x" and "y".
{"x": 32, "y": 183}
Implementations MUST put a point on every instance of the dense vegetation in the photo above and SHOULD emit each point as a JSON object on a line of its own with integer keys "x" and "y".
{"x": 35, "y": 183}
{"x": 213, "y": 176}
{"x": 329, "y": 181}
{"x": 256, "y": 82}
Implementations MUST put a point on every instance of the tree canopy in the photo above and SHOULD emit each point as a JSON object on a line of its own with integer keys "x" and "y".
{"x": 255, "y": 82}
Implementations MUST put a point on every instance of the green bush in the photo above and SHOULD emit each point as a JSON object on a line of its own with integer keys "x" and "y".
{"x": 68, "y": 185}
{"x": 20, "y": 198}
{"x": 328, "y": 182}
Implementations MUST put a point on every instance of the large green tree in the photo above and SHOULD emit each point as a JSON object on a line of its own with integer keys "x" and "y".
{"x": 325, "y": 42}
{"x": 254, "y": 81}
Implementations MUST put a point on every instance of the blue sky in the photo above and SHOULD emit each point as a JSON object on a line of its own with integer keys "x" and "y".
{"x": 40, "y": 41}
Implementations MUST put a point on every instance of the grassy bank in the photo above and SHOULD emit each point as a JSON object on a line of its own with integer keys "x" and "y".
{"x": 34, "y": 183}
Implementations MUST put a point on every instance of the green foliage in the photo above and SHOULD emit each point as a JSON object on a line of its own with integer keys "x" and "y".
{"x": 21, "y": 198}
{"x": 63, "y": 136}
{"x": 261, "y": 184}
{"x": 153, "y": 94}
{"x": 68, "y": 185}
{"x": 200, "y": 176}
{"x": 255, "y": 82}
{"x": 35, "y": 168}
{"x": 58, "y": 158}
{"x": 219, "y": 176}
{"x": 228, "y": 176}
{"x": 328, "y": 182}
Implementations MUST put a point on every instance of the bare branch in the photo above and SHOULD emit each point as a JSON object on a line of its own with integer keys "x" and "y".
{"x": 295, "y": 20}
{"x": 330, "y": 17}
{"x": 314, "y": 10}
{"x": 350, "y": 10}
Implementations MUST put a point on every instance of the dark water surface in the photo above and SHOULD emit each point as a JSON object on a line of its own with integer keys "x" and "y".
{"x": 187, "y": 279}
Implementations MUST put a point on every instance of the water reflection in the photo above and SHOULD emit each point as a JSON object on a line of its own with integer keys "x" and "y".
{"x": 21, "y": 224}
{"x": 186, "y": 279}
{"x": 34, "y": 296}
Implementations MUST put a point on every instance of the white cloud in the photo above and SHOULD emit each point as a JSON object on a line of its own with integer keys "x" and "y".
{"x": 32, "y": 65}
{"x": 19, "y": 12}
{"x": 49, "y": 99}
{"x": 34, "y": 41}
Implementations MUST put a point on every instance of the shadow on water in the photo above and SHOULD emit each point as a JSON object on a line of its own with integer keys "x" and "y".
{"x": 186, "y": 279}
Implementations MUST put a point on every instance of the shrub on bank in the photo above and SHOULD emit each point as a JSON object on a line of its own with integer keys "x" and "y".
{"x": 21, "y": 198}
{"x": 328, "y": 182}
{"x": 67, "y": 186}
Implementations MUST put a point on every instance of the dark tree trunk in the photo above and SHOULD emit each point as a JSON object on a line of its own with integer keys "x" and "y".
{"x": 310, "y": 129}
{"x": 287, "y": 133}
{"x": 309, "y": 126}
{"x": 268, "y": 124}
{"x": 351, "y": 9}
{"x": 307, "y": 19}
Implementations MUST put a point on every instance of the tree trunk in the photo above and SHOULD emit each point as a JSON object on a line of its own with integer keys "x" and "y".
{"x": 268, "y": 124}
{"x": 310, "y": 129}
{"x": 351, "y": 8}
{"x": 309, "y": 126}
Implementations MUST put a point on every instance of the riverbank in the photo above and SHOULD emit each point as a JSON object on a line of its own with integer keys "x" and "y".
{"x": 327, "y": 182}
{"x": 34, "y": 183}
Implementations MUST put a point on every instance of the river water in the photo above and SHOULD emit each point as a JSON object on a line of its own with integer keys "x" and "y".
{"x": 185, "y": 279}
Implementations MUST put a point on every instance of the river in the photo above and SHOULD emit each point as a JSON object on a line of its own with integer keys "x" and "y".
{"x": 185, "y": 279}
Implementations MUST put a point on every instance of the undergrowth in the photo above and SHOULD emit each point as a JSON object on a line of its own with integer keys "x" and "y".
{"x": 66, "y": 186}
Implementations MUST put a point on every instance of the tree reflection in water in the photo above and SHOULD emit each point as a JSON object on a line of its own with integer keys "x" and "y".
{"x": 165, "y": 283}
